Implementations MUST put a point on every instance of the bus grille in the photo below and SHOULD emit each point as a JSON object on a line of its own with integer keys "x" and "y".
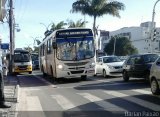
{"x": 76, "y": 64}
{"x": 77, "y": 72}
{"x": 77, "y": 68}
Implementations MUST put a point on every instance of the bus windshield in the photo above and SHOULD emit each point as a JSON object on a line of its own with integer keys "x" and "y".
{"x": 75, "y": 48}
{"x": 21, "y": 57}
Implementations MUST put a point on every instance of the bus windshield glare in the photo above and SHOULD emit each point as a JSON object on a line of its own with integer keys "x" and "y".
{"x": 71, "y": 48}
{"x": 21, "y": 57}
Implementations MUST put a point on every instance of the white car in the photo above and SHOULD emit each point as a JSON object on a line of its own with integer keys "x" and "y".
{"x": 155, "y": 77}
{"x": 109, "y": 66}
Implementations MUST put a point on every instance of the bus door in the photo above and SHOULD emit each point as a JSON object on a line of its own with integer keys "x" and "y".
{"x": 49, "y": 58}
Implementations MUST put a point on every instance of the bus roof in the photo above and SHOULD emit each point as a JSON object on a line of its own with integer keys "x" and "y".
{"x": 71, "y": 32}
{"x": 26, "y": 51}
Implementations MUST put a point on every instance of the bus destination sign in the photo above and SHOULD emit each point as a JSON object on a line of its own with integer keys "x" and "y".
{"x": 73, "y": 33}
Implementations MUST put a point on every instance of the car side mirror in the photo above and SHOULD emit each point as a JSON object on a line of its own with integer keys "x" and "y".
{"x": 54, "y": 45}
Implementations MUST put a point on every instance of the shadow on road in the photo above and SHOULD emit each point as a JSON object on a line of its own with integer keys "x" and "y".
{"x": 116, "y": 85}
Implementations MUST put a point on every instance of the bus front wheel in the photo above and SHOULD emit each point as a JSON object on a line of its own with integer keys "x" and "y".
{"x": 44, "y": 74}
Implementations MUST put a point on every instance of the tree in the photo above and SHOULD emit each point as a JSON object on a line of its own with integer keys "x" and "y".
{"x": 60, "y": 25}
{"x": 123, "y": 47}
{"x": 28, "y": 49}
{"x": 79, "y": 23}
{"x": 97, "y": 8}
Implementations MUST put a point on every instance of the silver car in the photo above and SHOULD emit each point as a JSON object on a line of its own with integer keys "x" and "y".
{"x": 109, "y": 66}
{"x": 155, "y": 77}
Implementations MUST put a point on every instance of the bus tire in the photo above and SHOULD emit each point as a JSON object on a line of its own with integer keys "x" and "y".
{"x": 30, "y": 72}
{"x": 44, "y": 74}
{"x": 84, "y": 78}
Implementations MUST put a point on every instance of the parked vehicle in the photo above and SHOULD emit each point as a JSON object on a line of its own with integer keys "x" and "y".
{"x": 155, "y": 77}
{"x": 109, "y": 66}
{"x": 138, "y": 66}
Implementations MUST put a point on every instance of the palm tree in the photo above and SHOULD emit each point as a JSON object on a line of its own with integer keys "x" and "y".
{"x": 79, "y": 23}
{"x": 60, "y": 25}
{"x": 97, "y": 8}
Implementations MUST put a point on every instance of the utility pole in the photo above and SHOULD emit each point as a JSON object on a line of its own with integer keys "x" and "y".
{"x": 11, "y": 30}
{"x": 153, "y": 26}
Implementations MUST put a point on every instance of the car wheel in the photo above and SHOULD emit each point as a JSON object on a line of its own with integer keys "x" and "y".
{"x": 125, "y": 76}
{"x": 155, "y": 87}
{"x": 104, "y": 74}
{"x": 30, "y": 72}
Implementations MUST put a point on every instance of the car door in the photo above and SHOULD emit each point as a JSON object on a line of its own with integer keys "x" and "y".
{"x": 138, "y": 67}
{"x": 156, "y": 70}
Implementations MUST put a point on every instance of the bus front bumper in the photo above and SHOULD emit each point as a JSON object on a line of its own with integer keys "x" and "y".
{"x": 75, "y": 73}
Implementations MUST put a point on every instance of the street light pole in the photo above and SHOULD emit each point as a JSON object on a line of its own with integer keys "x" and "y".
{"x": 152, "y": 25}
{"x": 11, "y": 29}
{"x": 46, "y": 32}
{"x": 46, "y": 26}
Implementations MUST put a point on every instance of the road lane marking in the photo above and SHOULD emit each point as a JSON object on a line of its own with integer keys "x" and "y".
{"x": 33, "y": 104}
{"x": 34, "y": 107}
{"x": 22, "y": 103}
{"x": 142, "y": 91}
{"x": 138, "y": 101}
{"x": 63, "y": 102}
{"x": 90, "y": 97}
{"x": 100, "y": 102}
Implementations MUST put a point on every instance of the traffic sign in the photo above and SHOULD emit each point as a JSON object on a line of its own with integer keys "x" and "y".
{"x": 5, "y": 46}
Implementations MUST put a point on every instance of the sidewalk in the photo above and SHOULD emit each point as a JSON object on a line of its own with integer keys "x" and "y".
{"x": 11, "y": 92}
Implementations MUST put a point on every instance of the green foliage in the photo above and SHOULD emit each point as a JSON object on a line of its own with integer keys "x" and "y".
{"x": 79, "y": 23}
{"x": 28, "y": 49}
{"x": 36, "y": 49}
{"x": 123, "y": 47}
{"x": 60, "y": 25}
{"x": 97, "y": 8}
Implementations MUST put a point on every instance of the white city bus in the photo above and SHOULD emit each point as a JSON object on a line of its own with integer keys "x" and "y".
{"x": 68, "y": 53}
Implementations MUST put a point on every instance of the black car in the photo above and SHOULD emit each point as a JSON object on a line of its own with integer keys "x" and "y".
{"x": 138, "y": 66}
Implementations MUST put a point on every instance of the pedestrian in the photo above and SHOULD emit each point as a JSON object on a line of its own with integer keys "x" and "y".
{"x": 2, "y": 100}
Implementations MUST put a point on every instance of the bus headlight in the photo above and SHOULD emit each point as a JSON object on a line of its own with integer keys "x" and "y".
{"x": 92, "y": 65}
{"x": 60, "y": 66}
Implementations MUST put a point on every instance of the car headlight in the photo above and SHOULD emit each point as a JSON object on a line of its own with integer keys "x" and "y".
{"x": 60, "y": 66}
{"x": 110, "y": 67}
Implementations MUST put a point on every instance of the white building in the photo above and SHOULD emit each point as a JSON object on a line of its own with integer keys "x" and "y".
{"x": 140, "y": 37}
{"x": 101, "y": 41}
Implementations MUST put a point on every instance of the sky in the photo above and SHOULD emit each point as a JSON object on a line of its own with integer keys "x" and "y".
{"x": 34, "y": 16}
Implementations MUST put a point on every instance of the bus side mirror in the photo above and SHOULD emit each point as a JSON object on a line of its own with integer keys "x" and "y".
{"x": 54, "y": 45}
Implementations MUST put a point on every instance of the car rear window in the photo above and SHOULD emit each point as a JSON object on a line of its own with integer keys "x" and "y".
{"x": 150, "y": 58}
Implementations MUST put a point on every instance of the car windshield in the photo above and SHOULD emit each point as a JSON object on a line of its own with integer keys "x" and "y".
{"x": 150, "y": 58}
{"x": 111, "y": 59}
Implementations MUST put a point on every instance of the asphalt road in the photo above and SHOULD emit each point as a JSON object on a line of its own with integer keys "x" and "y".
{"x": 96, "y": 97}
